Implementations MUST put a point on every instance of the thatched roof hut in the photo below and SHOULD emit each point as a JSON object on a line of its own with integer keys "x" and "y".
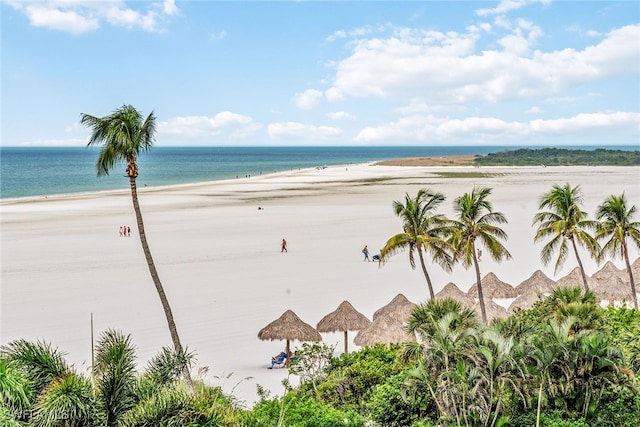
{"x": 537, "y": 283}
{"x": 494, "y": 311}
{"x": 345, "y": 318}
{"x": 525, "y": 301}
{"x": 452, "y": 291}
{"x": 400, "y": 308}
{"x": 492, "y": 287}
{"x": 573, "y": 279}
{"x": 635, "y": 270}
{"x": 608, "y": 271}
{"x": 609, "y": 284}
{"x": 384, "y": 329}
{"x": 289, "y": 327}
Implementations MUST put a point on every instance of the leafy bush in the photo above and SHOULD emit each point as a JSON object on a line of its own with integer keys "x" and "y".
{"x": 300, "y": 411}
{"x": 391, "y": 407}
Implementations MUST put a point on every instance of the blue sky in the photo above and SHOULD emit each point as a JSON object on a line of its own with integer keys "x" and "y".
{"x": 235, "y": 73}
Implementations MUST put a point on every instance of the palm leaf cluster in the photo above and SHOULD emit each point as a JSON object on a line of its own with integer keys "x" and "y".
{"x": 561, "y": 220}
{"x": 38, "y": 388}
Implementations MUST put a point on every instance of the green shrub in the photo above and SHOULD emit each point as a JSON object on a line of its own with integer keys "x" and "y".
{"x": 390, "y": 407}
{"x": 300, "y": 411}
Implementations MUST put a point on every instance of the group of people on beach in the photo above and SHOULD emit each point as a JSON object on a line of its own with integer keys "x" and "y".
{"x": 125, "y": 231}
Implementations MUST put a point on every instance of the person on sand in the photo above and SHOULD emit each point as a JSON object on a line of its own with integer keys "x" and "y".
{"x": 120, "y": 231}
{"x": 365, "y": 251}
{"x": 284, "y": 246}
{"x": 128, "y": 231}
{"x": 479, "y": 254}
{"x": 278, "y": 359}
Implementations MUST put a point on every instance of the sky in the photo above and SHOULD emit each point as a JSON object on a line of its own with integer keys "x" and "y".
{"x": 335, "y": 73}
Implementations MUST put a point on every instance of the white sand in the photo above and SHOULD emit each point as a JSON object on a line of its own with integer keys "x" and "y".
{"x": 220, "y": 262}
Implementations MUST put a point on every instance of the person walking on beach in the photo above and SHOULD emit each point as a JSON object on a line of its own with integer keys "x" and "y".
{"x": 479, "y": 254}
{"x": 365, "y": 251}
{"x": 128, "y": 231}
{"x": 121, "y": 230}
{"x": 284, "y": 246}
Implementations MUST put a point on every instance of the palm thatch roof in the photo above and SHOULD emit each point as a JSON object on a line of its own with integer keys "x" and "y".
{"x": 573, "y": 279}
{"x": 345, "y": 318}
{"x": 609, "y": 284}
{"x": 385, "y": 329}
{"x": 400, "y": 308}
{"x": 494, "y": 311}
{"x": 525, "y": 300}
{"x": 537, "y": 283}
{"x": 289, "y": 327}
{"x": 452, "y": 291}
{"x": 635, "y": 270}
{"x": 492, "y": 287}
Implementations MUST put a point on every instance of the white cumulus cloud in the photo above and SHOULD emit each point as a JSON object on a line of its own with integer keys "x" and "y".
{"x": 308, "y": 99}
{"x": 285, "y": 130}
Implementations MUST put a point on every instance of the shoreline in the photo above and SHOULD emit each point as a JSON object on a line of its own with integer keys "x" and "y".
{"x": 219, "y": 258}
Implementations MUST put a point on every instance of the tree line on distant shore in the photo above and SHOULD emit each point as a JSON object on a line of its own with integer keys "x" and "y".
{"x": 560, "y": 157}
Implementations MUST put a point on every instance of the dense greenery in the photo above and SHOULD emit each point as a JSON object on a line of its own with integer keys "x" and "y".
{"x": 560, "y": 157}
{"x": 564, "y": 362}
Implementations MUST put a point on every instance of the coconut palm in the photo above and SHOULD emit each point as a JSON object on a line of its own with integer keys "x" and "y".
{"x": 617, "y": 225}
{"x": 123, "y": 135}
{"x": 422, "y": 231}
{"x": 565, "y": 222}
{"x": 476, "y": 220}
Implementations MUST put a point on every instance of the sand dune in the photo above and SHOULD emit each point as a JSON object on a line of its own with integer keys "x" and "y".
{"x": 219, "y": 258}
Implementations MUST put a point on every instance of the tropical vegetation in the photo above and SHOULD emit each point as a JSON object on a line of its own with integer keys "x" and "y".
{"x": 560, "y": 157}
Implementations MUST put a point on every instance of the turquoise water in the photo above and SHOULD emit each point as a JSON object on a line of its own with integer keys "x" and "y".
{"x": 40, "y": 171}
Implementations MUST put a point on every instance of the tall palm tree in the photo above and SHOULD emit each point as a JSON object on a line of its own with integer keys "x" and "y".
{"x": 566, "y": 222}
{"x": 617, "y": 225}
{"x": 422, "y": 232}
{"x": 476, "y": 220}
{"x": 123, "y": 135}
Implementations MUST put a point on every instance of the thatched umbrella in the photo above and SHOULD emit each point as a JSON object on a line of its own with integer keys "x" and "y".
{"x": 573, "y": 279}
{"x": 345, "y": 318}
{"x": 452, "y": 291}
{"x": 289, "y": 327}
{"x": 385, "y": 329}
{"x": 537, "y": 283}
{"x": 493, "y": 287}
{"x": 399, "y": 307}
{"x": 635, "y": 270}
{"x": 525, "y": 300}
{"x": 609, "y": 283}
{"x": 493, "y": 310}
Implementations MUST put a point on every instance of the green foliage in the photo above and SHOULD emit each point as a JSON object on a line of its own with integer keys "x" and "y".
{"x": 310, "y": 363}
{"x": 301, "y": 411}
{"x": 557, "y": 418}
{"x": 560, "y": 157}
{"x": 391, "y": 406}
{"x": 66, "y": 402}
{"x": 352, "y": 377}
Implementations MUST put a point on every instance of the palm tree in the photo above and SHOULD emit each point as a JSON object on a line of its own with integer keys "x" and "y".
{"x": 616, "y": 224}
{"x": 422, "y": 231}
{"x": 476, "y": 220}
{"x": 566, "y": 222}
{"x": 124, "y": 134}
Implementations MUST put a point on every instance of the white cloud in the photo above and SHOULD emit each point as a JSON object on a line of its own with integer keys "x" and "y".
{"x": 285, "y": 130}
{"x": 534, "y": 110}
{"x": 81, "y": 16}
{"x": 199, "y": 126}
{"x": 445, "y": 68}
{"x": 340, "y": 115}
{"x": 307, "y": 99}
{"x": 418, "y": 128}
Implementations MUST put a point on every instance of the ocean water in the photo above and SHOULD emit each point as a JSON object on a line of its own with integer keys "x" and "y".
{"x": 40, "y": 171}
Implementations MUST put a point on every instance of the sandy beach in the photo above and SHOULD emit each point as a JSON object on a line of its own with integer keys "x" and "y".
{"x": 219, "y": 257}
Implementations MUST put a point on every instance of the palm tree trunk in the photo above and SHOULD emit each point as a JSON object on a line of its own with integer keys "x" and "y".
{"x": 173, "y": 330}
{"x": 633, "y": 285}
{"x": 426, "y": 275}
{"x": 584, "y": 276}
{"x": 483, "y": 310}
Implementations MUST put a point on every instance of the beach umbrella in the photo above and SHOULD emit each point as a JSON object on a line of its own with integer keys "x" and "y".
{"x": 399, "y": 308}
{"x": 609, "y": 283}
{"x": 573, "y": 279}
{"x": 345, "y": 318}
{"x": 635, "y": 270}
{"x": 452, "y": 291}
{"x": 525, "y": 300}
{"x": 385, "y": 329}
{"x": 493, "y": 310}
{"x": 493, "y": 287}
{"x": 289, "y": 327}
{"x": 537, "y": 283}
